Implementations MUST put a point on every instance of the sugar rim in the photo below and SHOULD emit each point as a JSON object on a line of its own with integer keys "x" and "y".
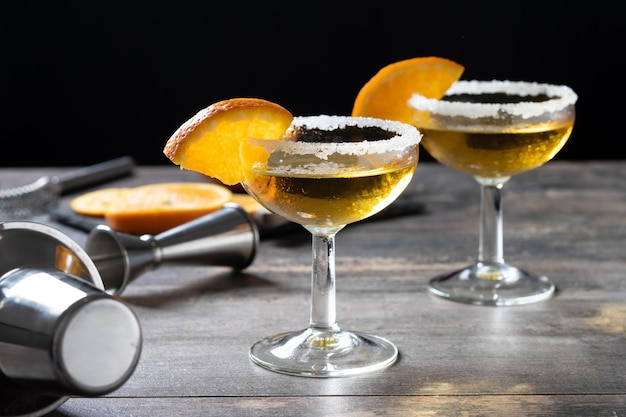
{"x": 405, "y": 136}
{"x": 561, "y": 96}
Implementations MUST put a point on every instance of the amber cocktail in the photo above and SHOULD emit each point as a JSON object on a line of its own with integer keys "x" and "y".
{"x": 494, "y": 130}
{"x": 328, "y": 172}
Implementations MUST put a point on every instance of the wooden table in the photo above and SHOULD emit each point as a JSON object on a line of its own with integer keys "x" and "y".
{"x": 562, "y": 357}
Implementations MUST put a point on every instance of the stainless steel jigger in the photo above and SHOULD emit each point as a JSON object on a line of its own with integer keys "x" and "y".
{"x": 227, "y": 237}
{"x": 61, "y": 334}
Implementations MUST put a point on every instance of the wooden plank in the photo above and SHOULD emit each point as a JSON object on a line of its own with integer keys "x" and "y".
{"x": 340, "y": 406}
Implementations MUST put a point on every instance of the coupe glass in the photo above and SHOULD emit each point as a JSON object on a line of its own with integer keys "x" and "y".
{"x": 328, "y": 172}
{"x": 493, "y": 130}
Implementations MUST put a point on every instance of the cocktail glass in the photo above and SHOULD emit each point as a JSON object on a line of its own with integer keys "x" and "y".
{"x": 493, "y": 130}
{"x": 328, "y": 172}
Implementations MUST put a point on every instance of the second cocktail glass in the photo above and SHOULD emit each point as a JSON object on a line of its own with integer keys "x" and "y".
{"x": 328, "y": 172}
{"x": 493, "y": 130}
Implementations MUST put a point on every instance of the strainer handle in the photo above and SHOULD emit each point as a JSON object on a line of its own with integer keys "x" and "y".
{"x": 93, "y": 174}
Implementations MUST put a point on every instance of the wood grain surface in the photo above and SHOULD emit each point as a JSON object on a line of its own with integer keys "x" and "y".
{"x": 562, "y": 357}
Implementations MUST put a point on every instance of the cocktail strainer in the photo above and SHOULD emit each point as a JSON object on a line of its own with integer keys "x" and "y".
{"x": 39, "y": 197}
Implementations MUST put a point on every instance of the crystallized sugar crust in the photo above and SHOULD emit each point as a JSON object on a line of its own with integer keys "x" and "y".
{"x": 561, "y": 96}
{"x": 405, "y": 136}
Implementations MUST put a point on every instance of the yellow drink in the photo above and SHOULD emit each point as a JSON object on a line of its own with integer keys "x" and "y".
{"x": 329, "y": 199}
{"x": 324, "y": 173}
{"x": 494, "y": 130}
{"x": 492, "y": 154}
{"x": 327, "y": 173}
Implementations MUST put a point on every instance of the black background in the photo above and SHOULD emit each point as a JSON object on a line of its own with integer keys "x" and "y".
{"x": 83, "y": 81}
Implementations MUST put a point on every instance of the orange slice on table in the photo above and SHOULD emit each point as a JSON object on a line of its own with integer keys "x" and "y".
{"x": 209, "y": 142}
{"x": 96, "y": 203}
{"x": 155, "y": 208}
{"x": 387, "y": 93}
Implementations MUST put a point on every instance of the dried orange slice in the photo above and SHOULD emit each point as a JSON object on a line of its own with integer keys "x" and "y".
{"x": 386, "y": 94}
{"x": 156, "y": 208}
{"x": 209, "y": 142}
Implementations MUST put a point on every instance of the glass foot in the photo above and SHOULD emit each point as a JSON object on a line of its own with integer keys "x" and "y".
{"x": 324, "y": 353}
{"x": 492, "y": 285}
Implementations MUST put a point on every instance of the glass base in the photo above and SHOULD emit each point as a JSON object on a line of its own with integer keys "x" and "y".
{"x": 492, "y": 285}
{"x": 324, "y": 353}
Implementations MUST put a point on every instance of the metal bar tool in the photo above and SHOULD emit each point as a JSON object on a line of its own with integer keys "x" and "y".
{"x": 226, "y": 237}
{"x": 61, "y": 334}
{"x": 39, "y": 197}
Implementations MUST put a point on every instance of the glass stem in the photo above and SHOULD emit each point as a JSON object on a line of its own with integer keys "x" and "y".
{"x": 490, "y": 246}
{"x": 323, "y": 307}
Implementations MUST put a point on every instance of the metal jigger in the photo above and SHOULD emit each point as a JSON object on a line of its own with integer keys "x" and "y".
{"x": 227, "y": 237}
{"x": 61, "y": 334}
